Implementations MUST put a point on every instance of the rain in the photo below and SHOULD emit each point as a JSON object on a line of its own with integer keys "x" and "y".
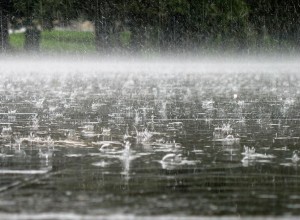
{"x": 167, "y": 109}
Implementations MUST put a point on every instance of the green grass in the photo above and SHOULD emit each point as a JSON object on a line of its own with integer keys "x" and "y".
{"x": 16, "y": 41}
{"x": 59, "y": 41}
{"x": 84, "y": 42}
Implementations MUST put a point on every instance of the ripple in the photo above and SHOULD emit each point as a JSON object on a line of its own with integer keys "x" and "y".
{"x": 101, "y": 164}
{"x": 73, "y": 155}
{"x": 23, "y": 171}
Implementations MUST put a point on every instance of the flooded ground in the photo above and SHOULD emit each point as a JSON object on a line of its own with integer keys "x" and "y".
{"x": 156, "y": 142}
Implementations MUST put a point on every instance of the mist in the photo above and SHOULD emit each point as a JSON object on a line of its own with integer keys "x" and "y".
{"x": 88, "y": 64}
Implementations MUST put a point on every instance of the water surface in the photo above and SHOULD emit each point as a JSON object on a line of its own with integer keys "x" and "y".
{"x": 91, "y": 143}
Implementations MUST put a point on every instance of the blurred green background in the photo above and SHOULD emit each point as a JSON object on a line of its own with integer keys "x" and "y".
{"x": 150, "y": 25}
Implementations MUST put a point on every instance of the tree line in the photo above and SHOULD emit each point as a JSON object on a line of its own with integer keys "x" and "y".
{"x": 165, "y": 25}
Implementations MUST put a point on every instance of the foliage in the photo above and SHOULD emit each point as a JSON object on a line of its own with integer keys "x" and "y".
{"x": 44, "y": 12}
{"x": 172, "y": 24}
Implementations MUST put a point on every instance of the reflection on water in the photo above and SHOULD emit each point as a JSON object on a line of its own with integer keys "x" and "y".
{"x": 159, "y": 144}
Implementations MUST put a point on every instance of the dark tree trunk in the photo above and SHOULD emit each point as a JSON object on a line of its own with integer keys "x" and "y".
{"x": 4, "y": 17}
{"x": 172, "y": 34}
{"x": 101, "y": 35}
{"x": 165, "y": 33}
{"x": 102, "y": 26}
{"x": 137, "y": 29}
{"x": 32, "y": 38}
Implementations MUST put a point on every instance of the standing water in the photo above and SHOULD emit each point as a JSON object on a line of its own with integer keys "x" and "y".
{"x": 164, "y": 139}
